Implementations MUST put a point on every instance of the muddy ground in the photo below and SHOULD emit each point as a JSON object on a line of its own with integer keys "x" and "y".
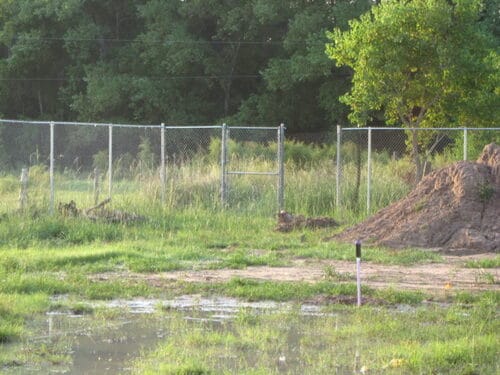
{"x": 447, "y": 276}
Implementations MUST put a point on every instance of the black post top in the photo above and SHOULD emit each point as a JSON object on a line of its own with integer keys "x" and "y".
{"x": 358, "y": 249}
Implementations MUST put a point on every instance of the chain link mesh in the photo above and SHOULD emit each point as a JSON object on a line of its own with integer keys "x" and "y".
{"x": 252, "y": 167}
{"x": 387, "y": 154}
{"x": 375, "y": 166}
{"x": 188, "y": 175}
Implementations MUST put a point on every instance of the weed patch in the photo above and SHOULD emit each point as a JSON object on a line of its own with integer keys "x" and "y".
{"x": 484, "y": 263}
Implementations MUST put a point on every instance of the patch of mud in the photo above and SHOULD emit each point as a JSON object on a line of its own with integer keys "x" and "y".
{"x": 345, "y": 300}
{"x": 454, "y": 208}
{"x": 450, "y": 275}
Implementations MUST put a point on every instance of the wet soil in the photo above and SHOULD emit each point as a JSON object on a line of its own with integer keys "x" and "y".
{"x": 451, "y": 274}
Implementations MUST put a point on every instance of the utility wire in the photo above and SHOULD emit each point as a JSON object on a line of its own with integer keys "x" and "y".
{"x": 157, "y": 78}
{"x": 247, "y": 76}
{"x": 171, "y": 41}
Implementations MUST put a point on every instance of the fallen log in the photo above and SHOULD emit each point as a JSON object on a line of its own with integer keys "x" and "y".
{"x": 98, "y": 206}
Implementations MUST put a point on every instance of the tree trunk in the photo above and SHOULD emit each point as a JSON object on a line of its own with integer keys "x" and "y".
{"x": 358, "y": 173}
{"x": 229, "y": 80}
{"x": 40, "y": 102}
{"x": 412, "y": 121}
{"x": 416, "y": 156}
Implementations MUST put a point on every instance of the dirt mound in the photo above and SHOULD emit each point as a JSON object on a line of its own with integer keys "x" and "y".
{"x": 454, "y": 208}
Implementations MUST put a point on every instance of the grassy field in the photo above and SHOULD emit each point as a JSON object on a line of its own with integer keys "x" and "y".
{"x": 44, "y": 256}
{"x": 47, "y": 256}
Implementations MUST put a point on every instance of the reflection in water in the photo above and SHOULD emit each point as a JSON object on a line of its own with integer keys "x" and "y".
{"x": 81, "y": 344}
{"x": 99, "y": 345}
{"x": 109, "y": 352}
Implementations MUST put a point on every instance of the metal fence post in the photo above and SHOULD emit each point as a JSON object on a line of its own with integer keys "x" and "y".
{"x": 465, "y": 144}
{"x": 51, "y": 169}
{"x": 223, "y": 166}
{"x": 162, "y": 167}
{"x": 96, "y": 185}
{"x": 369, "y": 171}
{"x": 281, "y": 167}
{"x": 23, "y": 193}
{"x": 110, "y": 160}
{"x": 338, "y": 172}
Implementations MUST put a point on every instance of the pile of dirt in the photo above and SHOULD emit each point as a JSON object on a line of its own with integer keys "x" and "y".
{"x": 454, "y": 208}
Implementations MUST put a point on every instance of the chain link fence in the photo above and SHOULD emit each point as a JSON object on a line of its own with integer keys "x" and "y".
{"x": 355, "y": 173}
{"x": 376, "y": 166}
{"x": 167, "y": 166}
{"x": 252, "y": 165}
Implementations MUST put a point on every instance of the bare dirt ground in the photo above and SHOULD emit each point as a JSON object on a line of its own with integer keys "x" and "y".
{"x": 435, "y": 278}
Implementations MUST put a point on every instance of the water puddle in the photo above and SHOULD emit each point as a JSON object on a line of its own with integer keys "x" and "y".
{"x": 77, "y": 344}
{"x": 109, "y": 350}
{"x": 93, "y": 344}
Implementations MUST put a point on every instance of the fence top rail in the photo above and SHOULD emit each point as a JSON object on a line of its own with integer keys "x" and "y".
{"x": 191, "y": 126}
{"x": 161, "y": 126}
{"x": 401, "y": 128}
{"x": 253, "y": 127}
{"x": 96, "y": 124}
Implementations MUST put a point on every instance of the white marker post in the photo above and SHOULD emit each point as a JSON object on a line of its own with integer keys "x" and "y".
{"x": 358, "y": 270}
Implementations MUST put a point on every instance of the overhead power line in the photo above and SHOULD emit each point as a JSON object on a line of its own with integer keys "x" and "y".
{"x": 241, "y": 76}
{"x": 172, "y": 41}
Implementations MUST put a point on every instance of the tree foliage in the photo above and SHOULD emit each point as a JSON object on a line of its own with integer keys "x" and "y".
{"x": 423, "y": 63}
{"x": 301, "y": 85}
{"x": 178, "y": 62}
{"x": 209, "y": 61}
{"x": 183, "y": 62}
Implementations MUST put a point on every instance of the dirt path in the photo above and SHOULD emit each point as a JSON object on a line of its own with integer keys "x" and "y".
{"x": 450, "y": 275}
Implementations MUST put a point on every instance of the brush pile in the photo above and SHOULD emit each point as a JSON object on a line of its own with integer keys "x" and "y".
{"x": 99, "y": 213}
{"x": 288, "y": 222}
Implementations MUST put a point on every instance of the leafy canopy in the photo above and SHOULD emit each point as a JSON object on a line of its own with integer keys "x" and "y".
{"x": 422, "y": 62}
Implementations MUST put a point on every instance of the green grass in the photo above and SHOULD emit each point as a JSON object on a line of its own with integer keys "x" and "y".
{"x": 422, "y": 340}
{"x": 14, "y": 308}
{"x": 484, "y": 263}
{"x": 343, "y": 251}
{"x": 297, "y": 291}
{"x": 278, "y": 291}
{"x": 44, "y": 256}
{"x": 54, "y": 255}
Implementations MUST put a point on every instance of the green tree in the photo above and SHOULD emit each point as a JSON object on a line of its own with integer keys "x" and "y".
{"x": 31, "y": 56}
{"x": 200, "y": 59}
{"x": 103, "y": 50}
{"x": 423, "y": 63}
{"x": 301, "y": 85}
{"x": 490, "y": 16}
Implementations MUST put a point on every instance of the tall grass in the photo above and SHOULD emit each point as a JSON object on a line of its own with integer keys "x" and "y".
{"x": 195, "y": 182}
{"x": 310, "y": 175}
